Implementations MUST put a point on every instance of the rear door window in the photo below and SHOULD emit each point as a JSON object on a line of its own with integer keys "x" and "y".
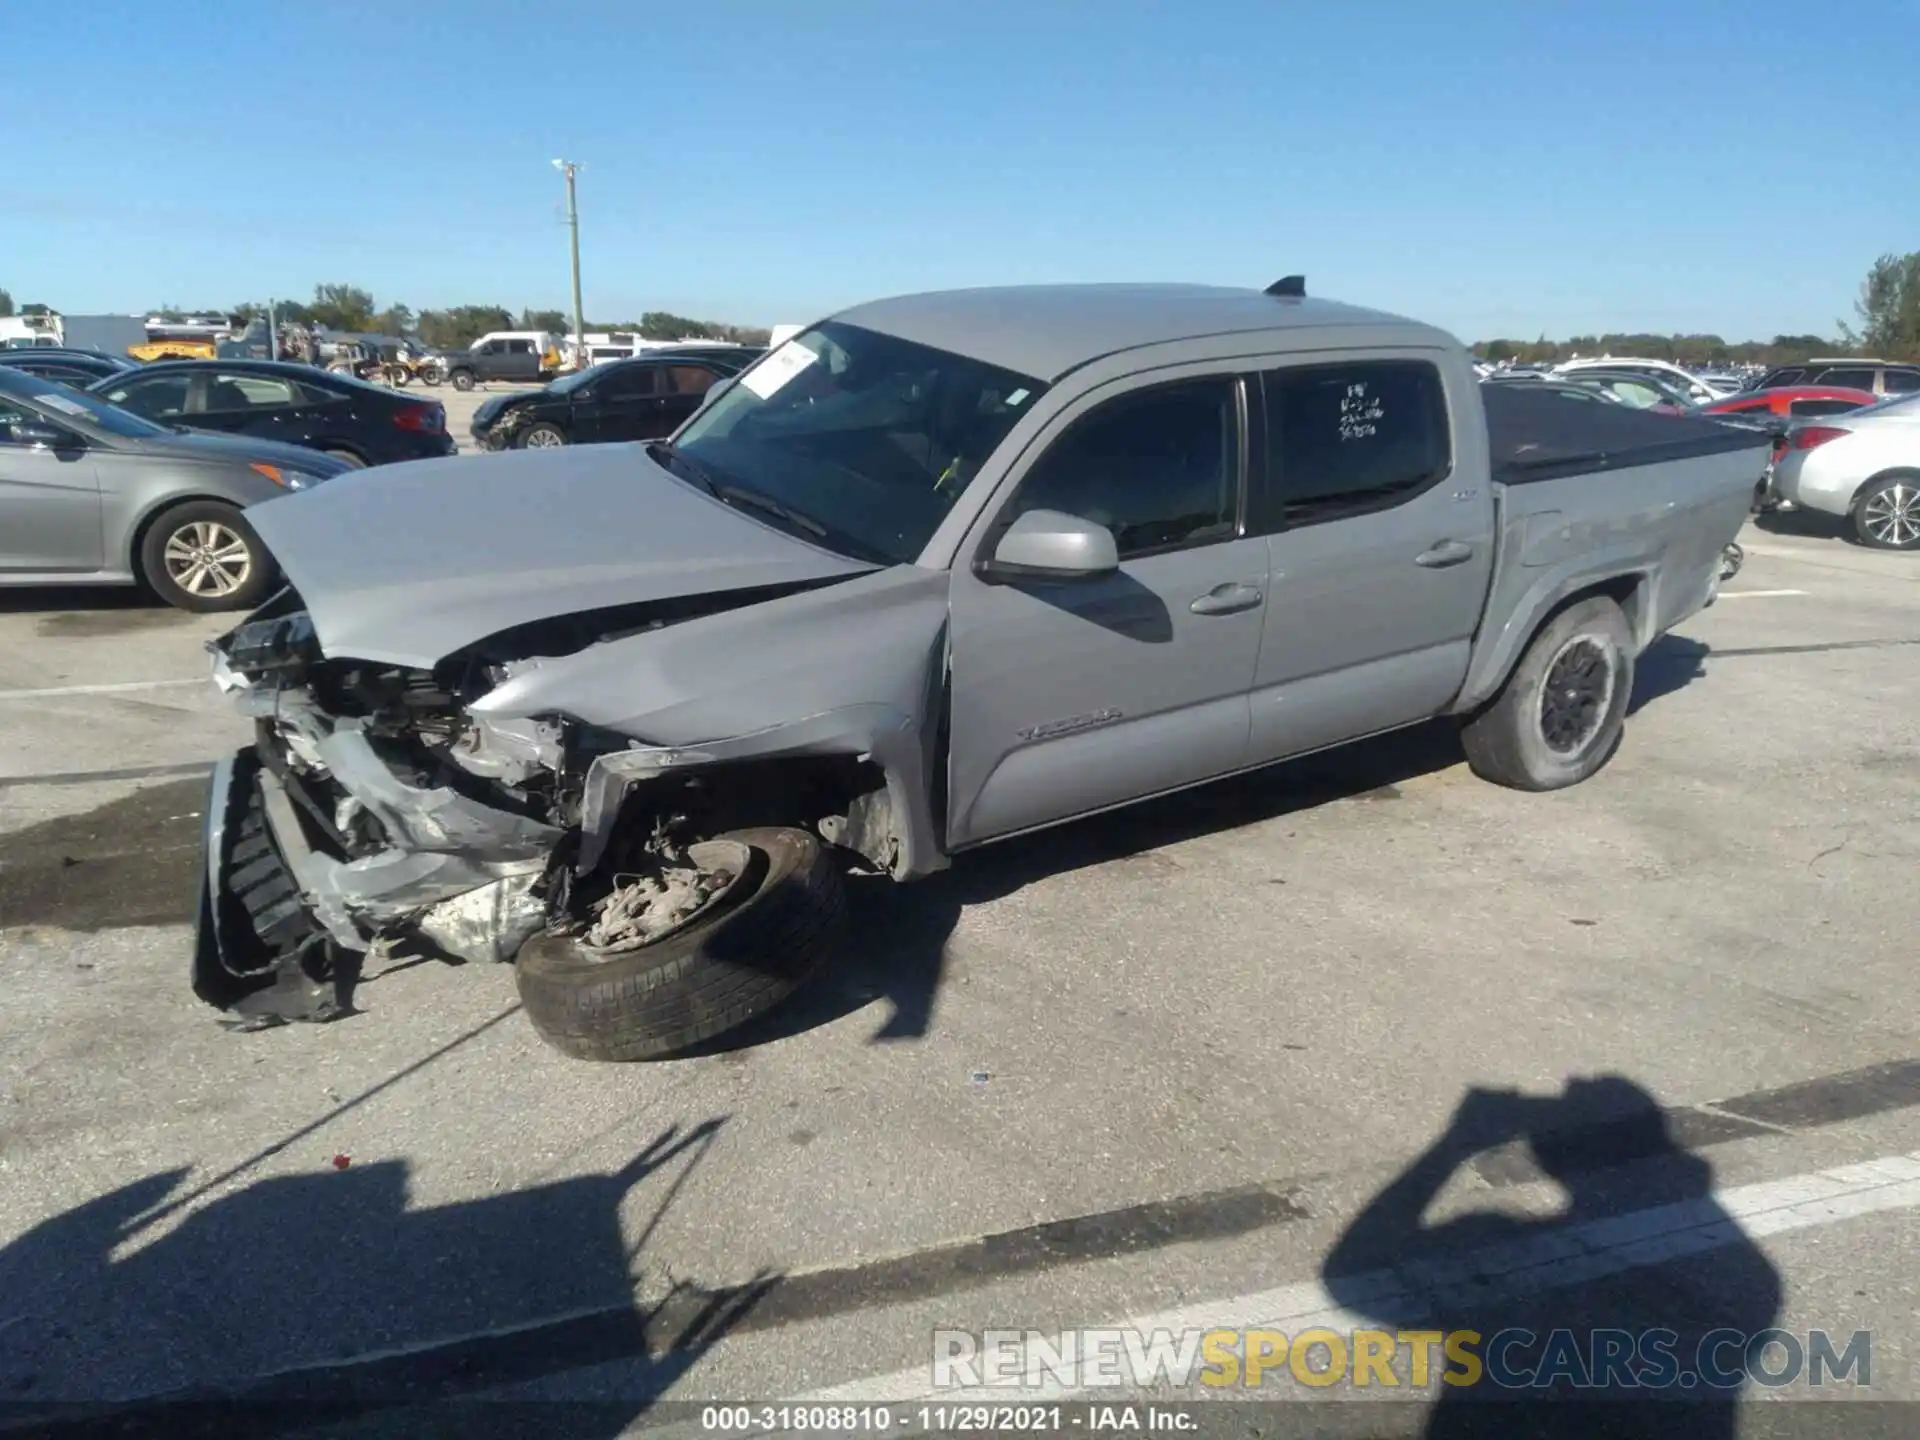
{"x": 1902, "y": 381}
{"x": 228, "y": 392}
{"x": 1858, "y": 377}
{"x": 689, "y": 379}
{"x": 1822, "y": 407}
{"x": 1346, "y": 439}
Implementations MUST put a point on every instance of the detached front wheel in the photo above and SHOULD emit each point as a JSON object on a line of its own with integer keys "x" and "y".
{"x": 1559, "y": 717}
{"x": 777, "y": 910}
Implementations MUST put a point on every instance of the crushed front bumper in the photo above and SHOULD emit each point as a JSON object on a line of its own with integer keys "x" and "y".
{"x": 282, "y": 908}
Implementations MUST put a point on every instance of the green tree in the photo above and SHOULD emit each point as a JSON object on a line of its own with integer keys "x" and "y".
{"x": 6, "y": 304}
{"x": 342, "y": 307}
{"x": 555, "y": 320}
{"x": 661, "y": 325}
{"x": 36, "y": 308}
{"x": 460, "y": 326}
{"x": 396, "y": 319}
{"x": 1889, "y": 309}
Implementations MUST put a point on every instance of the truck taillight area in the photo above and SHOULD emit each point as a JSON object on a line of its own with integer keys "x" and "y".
{"x": 430, "y": 418}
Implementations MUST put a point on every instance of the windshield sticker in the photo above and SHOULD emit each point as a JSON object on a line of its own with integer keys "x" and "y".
{"x": 62, "y": 404}
{"x": 777, "y": 369}
{"x": 1015, "y": 398}
{"x": 1360, "y": 413}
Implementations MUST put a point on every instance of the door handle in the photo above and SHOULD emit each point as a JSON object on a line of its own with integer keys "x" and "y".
{"x": 1447, "y": 552}
{"x": 1227, "y": 599}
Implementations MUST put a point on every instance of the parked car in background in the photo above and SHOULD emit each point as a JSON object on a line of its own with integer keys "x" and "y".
{"x": 519, "y": 355}
{"x": 1882, "y": 377}
{"x": 1863, "y": 466}
{"x": 1639, "y": 389}
{"x": 354, "y": 422}
{"x": 1690, "y": 389}
{"x": 1798, "y": 402}
{"x": 91, "y": 494}
{"x": 645, "y": 398}
{"x": 78, "y": 368}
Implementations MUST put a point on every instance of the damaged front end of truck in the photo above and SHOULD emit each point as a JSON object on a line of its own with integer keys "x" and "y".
{"x": 603, "y": 775}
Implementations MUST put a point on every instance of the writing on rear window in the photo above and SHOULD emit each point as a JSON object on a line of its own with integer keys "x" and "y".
{"x": 1360, "y": 413}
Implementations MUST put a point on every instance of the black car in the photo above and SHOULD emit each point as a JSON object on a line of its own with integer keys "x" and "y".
{"x": 644, "y": 398}
{"x": 1882, "y": 377}
{"x": 346, "y": 418}
{"x": 78, "y": 368}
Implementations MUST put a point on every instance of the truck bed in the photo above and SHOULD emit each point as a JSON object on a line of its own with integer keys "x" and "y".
{"x": 1593, "y": 494}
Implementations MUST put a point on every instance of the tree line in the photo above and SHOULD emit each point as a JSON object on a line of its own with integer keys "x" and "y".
{"x": 1887, "y": 315}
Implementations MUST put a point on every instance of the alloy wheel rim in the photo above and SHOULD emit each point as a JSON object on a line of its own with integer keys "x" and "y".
{"x": 1892, "y": 515}
{"x": 1577, "y": 695}
{"x": 207, "y": 559}
{"x": 542, "y": 440}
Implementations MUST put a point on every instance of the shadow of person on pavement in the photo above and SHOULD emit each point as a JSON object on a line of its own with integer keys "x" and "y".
{"x": 1641, "y": 1247}
{"x": 329, "y": 1296}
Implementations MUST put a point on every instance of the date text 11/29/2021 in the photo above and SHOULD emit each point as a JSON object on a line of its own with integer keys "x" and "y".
{"x": 945, "y": 1419}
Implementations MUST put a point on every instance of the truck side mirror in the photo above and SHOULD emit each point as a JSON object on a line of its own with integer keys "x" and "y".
{"x": 1049, "y": 544}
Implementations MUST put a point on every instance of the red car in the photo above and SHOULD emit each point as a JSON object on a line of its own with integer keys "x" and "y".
{"x": 1794, "y": 401}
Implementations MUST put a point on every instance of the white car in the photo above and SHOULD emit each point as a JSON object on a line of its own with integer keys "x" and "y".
{"x": 1865, "y": 466}
{"x": 1700, "y": 391}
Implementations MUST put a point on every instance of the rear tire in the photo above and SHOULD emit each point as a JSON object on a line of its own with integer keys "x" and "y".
{"x": 1886, "y": 515}
{"x": 693, "y": 984}
{"x": 462, "y": 380}
{"x": 1559, "y": 717}
{"x": 204, "y": 557}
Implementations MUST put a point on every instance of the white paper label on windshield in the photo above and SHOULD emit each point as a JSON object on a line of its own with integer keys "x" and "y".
{"x": 777, "y": 369}
{"x": 62, "y": 404}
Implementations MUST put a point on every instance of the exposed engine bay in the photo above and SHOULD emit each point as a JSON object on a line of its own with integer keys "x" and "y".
{"x": 384, "y": 814}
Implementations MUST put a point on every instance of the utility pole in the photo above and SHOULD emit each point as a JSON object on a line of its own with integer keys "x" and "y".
{"x": 568, "y": 168}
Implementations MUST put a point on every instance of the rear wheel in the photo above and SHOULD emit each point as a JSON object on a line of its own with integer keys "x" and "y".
{"x": 1887, "y": 513}
{"x": 203, "y": 556}
{"x": 462, "y": 379}
{"x": 780, "y": 910}
{"x": 1559, "y": 717}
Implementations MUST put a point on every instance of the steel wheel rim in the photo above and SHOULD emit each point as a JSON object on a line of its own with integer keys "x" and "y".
{"x": 1576, "y": 696}
{"x": 543, "y": 440}
{"x": 1892, "y": 515}
{"x": 206, "y": 559}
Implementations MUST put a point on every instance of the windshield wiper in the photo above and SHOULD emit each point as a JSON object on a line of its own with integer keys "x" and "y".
{"x": 754, "y": 500}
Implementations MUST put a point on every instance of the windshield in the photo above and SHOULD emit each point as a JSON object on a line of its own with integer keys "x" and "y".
{"x": 869, "y": 437}
{"x": 65, "y": 402}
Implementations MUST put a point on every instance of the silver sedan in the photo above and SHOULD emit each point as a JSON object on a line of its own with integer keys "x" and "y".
{"x": 93, "y": 494}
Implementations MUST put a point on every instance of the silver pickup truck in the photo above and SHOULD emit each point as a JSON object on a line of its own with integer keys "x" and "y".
{"x": 936, "y": 571}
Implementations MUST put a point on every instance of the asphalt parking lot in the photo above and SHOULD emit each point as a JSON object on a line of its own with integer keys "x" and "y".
{"x": 1153, "y": 1065}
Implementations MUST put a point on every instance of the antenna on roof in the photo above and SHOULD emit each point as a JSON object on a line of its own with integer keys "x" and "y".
{"x": 1294, "y": 287}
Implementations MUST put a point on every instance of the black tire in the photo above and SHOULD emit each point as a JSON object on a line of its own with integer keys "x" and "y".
{"x": 550, "y": 435}
{"x": 462, "y": 379}
{"x": 1886, "y": 512}
{"x": 432, "y": 375}
{"x": 696, "y": 983}
{"x": 1508, "y": 742}
{"x": 347, "y": 457}
{"x": 158, "y": 568}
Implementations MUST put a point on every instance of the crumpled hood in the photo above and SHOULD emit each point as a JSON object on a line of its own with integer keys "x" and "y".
{"x": 404, "y": 564}
{"x": 494, "y": 406}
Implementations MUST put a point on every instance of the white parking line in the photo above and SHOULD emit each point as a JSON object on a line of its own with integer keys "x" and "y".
{"x": 1576, "y": 1254}
{"x": 1757, "y": 594}
{"x": 57, "y": 691}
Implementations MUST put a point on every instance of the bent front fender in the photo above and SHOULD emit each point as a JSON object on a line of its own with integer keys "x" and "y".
{"x": 875, "y": 733}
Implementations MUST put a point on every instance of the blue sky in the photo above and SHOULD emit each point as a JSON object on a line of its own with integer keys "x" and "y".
{"x": 1500, "y": 167}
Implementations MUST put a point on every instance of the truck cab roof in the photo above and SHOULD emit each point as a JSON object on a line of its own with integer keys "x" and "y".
{"x": 1048, "y": 330}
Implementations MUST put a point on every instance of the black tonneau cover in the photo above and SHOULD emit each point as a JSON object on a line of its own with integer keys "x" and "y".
{"x": 1544, "y": 435}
